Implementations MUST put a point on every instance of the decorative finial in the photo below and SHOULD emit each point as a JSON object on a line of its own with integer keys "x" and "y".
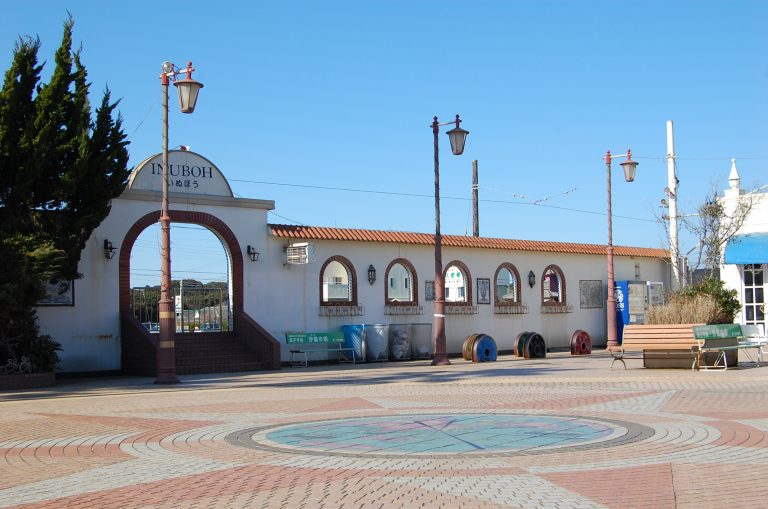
{"x": 733, "y": 178}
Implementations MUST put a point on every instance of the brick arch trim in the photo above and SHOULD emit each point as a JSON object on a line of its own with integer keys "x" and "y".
{"x": 511, "y": 268}
{"x": 563, "y": 294}
{"x": 180, "y": 216}
{"x": 414, "y": 283}
{"x": 467, "y": 282}
{"x": 352, "y": 281}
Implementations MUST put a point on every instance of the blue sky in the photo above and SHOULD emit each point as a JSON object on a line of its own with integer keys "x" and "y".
{"x": 341, "y": 94}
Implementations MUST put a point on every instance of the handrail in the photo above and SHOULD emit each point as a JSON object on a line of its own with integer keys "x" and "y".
{"x": 138, "y": 347}
{"x": 258, "y": 339}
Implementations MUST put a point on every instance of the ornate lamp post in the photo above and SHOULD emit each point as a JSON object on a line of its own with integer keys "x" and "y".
{"x": 166, "y": 353}
{"x": 629, "y": 167}
{"x": 458, "y": 136}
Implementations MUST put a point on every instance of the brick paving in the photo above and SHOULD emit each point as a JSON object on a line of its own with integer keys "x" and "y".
{"x": 679, "y": 439}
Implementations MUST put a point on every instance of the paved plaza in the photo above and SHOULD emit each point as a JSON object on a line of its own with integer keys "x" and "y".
{"x": 560, "y": 432}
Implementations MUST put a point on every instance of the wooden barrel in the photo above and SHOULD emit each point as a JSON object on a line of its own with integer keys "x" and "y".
{"x": 517, "y": 348}
{"x": 484, "y": 349}
{"x": 581, "y": 343}
{"x": 534, "y": 347}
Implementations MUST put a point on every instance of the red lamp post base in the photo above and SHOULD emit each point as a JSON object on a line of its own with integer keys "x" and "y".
{"x": 441, "y": 360}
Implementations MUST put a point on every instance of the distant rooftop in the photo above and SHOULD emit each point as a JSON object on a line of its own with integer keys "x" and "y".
{"x": 428, "y": 239}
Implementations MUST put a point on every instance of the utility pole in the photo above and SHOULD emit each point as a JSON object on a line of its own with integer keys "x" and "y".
{"x": 475, "y": 212}
{"x": 672, "y": 194}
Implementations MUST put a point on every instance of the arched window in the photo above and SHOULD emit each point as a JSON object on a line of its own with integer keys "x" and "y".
{"x": 553, "y": 286}
{"x": 338, "y": 283}
{"x": 458, "y": 284}
{"x": 401, "y": 284}
{"x": 507, "y": 285}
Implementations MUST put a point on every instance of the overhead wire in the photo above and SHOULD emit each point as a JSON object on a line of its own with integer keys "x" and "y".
{"x": 442, "y": 197}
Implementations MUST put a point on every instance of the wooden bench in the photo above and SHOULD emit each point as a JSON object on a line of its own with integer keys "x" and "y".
{"x": 673, "y": 341}
{"x": 301, "y": 344}
{"x": 721, "y": 339}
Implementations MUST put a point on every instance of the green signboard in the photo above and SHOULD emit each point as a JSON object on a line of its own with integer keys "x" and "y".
{"x": 314, "y": 337}
{"x": 717, "y": 331}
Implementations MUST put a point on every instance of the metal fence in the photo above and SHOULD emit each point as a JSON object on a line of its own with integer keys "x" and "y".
{"x": 198, "y": 309}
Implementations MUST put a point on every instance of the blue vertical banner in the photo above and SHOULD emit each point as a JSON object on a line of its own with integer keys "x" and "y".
{"x": 622, "y": 308}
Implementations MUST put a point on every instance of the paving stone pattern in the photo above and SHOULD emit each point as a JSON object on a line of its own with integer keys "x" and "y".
{"x": 560, "y": 432}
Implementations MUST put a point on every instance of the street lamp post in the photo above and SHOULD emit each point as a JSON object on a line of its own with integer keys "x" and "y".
{"x": 629, "y": 167}
{"x": 166, "y": 354}
{"x": 458, "y": 136}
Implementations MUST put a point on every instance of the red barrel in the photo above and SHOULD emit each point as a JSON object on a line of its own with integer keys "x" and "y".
{"x": 581, "y": 343}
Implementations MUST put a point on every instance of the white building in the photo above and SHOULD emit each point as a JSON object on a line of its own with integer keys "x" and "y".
{"x": 745, "y": 259}
{"x": 315, "y": 279}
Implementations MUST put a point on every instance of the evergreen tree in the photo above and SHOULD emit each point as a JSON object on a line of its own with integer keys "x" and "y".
{"x": 59, "y": 170}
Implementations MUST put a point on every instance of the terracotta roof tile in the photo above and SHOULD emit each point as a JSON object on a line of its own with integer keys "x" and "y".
{"x": 357, "y": 235}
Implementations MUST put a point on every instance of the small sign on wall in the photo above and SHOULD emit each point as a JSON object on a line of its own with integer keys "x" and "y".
{"x": 429, "y": 290}
{"x": 59, "y": 293}
{"x": 483, "y": 291}
{"x": 591, "y": 294}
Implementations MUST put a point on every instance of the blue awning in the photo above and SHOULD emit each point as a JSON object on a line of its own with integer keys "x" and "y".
{"x": 747, "y": 249}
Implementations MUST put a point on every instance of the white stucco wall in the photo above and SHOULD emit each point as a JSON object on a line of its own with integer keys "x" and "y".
{"x": 286, "y": 298}
{"x": 293, "y": 300}
{"x": 89, "y": 331}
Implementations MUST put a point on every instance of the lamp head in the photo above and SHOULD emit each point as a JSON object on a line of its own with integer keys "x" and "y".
{"x": 458, "y": 136}
{"x": 188, "y": 91}
{"x": 629, "y": 166}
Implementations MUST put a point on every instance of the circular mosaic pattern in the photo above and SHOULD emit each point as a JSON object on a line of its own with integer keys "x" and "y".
{"x": 440, "y": 434}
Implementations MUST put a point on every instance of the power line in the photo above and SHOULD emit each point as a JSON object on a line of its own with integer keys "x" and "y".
{"x": 416, "y": 195}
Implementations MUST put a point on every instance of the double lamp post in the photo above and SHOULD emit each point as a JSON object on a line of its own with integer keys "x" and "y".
{"x": 166, "y": 354}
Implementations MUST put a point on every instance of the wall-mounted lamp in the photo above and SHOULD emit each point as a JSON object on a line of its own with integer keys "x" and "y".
{"x": 371, "y": 274}
{"x": 252, "y": 253}
{"x": 109, "y": 249}
{"x": 531, "y": 279}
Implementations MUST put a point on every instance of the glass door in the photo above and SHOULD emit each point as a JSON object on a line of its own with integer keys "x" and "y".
{"x": 754, "y": 294}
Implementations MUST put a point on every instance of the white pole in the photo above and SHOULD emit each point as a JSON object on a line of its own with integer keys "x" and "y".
{"x": 672, "y": 186}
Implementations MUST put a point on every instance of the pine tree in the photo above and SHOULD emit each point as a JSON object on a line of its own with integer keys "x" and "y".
{"x": 59, "y": 170}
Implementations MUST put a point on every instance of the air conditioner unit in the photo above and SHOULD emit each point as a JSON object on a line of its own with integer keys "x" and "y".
{"x": 300, "y": 254}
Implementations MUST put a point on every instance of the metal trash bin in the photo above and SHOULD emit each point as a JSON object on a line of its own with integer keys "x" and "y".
{"x": 376, "y": 342}
{"x": 421, "y": 341}
{"x": 400, "y": 341}
{"x": 354, "y": 338}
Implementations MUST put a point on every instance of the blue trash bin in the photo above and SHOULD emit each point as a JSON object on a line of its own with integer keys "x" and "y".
{"x": 354, "y": 338}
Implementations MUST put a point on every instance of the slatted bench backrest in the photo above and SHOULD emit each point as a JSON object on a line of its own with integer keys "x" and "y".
{"x": 658, "y": 337}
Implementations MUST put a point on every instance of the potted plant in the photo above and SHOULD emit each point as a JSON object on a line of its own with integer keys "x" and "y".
{"x": 30, "y": 360}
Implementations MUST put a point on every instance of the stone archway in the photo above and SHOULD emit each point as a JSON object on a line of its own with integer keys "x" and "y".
{"x": 245, "y": 347}
{"x": 180, "y": 216}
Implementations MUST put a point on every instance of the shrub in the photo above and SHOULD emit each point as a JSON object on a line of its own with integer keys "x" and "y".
{"x": 707, "y": 302}
{"x": 42, "y": 352}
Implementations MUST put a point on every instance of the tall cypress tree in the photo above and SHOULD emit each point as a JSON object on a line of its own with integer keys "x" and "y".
{"x": 59, "y": 170}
